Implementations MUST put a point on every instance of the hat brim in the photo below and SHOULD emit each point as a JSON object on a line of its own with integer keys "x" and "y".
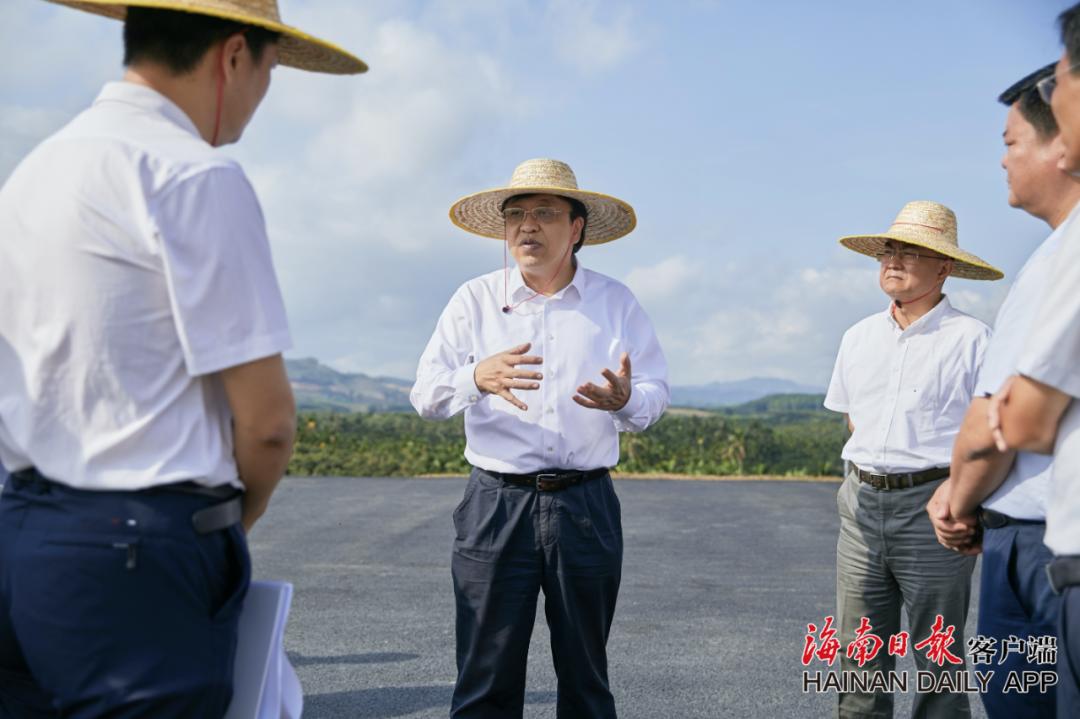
{"x": 966, "y": 265}
{"x": 481, "y": 213}
{"x": 295, "y": 49}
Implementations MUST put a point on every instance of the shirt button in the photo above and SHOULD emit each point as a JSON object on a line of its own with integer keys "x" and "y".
{"x": 550, "y": 410}
{"x": 551, "y": 449}
{"x": 473, "y": 398}
{"x": 551, "y": 337}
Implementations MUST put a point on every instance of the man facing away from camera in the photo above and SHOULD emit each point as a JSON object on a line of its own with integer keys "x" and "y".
{"x": 145, "y": 415}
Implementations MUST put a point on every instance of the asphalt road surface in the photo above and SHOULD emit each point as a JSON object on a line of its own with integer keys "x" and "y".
{"x": 720, "y": 579}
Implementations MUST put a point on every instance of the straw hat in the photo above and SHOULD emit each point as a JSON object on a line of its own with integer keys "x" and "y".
{"x": 930, "y": 225}
{"x": 481, "y": 213}
{"x": 295, "y": 48}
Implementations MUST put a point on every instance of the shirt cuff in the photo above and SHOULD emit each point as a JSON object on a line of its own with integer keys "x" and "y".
{"x": 464, "y": 382}
{"x": 625, "y": 417}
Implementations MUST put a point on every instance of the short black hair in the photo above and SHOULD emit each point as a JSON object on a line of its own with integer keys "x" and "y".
{"x": 1069, "y": 22}
{"x": 577, "y": 209}
{"x": 1025, "y": 96}
{"x": 178, "y": 40}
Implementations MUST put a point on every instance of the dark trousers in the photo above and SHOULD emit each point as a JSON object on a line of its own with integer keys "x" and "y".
{"x": 1015, "y": 600}
{"x": 1068, "y": 666}
{"x": 112, "y": 605}
{"x": 511, "y": 542}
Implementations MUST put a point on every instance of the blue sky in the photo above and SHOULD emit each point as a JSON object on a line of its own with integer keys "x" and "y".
{"x": 749, "y": 137}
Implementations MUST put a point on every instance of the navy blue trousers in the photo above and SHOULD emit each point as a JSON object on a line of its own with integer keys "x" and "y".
{"x": 111, "y": 605}
{"x": 1068, "y": 668}
{"x": 1015, "y": 600}
{"x": 511, "y": 542}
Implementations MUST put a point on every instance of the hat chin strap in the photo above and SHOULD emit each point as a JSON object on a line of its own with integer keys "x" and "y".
{"x": 899, "y": 305}
{"x": 220, "y": 96}
{"x": 507, "y": 307}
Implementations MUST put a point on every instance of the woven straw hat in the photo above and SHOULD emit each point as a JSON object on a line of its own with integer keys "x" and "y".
{"x": 295, "y": 48}
{"x": 930, "y": 225}
{"x": 481, "y": 213}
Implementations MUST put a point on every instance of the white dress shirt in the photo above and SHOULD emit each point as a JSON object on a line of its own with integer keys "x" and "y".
{"x": 578, "y": 332}
{"x": 906, "y": 391}
{"x": 1023, "y": 493}
{"x": 136, "y": 264}
{"x": 1052, "y": 356}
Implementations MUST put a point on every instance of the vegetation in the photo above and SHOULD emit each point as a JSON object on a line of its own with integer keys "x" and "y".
{"x": 779, "y": 435}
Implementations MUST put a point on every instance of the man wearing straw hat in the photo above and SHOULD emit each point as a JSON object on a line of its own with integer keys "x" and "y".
{"x": 904, "y": 378}
{"x": 1015, "y": 597}
{"x": 549, "y": 361}
{"x": 145, "y": 414}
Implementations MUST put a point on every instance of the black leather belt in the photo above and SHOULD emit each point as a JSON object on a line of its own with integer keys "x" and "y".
{"x": 904, "y": 480}
{"x": 1063, "y": 572}
{"x": 550, "y": 480}
{"x": 996, "y": 520}
{"x": 212, "y": 518}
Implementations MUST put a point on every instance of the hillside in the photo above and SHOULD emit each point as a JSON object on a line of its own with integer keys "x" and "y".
{"x": 318, "y": 387}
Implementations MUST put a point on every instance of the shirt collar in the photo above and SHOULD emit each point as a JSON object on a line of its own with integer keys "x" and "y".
{"x": 519, "y": 290}
{"x": 928, "y": 321}
{"x": 149, "y": 99}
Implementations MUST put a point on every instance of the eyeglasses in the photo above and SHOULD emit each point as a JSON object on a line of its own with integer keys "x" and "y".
{"x": 543, "y": 215}
{"x": 1047, "y": 85}
{"x": 908, "y": 257}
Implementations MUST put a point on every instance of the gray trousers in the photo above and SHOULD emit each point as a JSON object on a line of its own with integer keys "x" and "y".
{"x": 887, "y": 557}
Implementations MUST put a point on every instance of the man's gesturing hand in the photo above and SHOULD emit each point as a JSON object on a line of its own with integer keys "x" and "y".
{"x": 499, "y": 374}
{"x": 611, "y": 398}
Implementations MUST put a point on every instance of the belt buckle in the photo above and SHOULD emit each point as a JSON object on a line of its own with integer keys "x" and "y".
{"x": 879, "y": 482}
{"x": 542, "y": 477}
{"x": 1050, "y": 577}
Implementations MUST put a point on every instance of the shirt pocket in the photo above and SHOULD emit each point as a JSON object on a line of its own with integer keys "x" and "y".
{"x": 923, "y": 403}
{"x": 954, "y": 398}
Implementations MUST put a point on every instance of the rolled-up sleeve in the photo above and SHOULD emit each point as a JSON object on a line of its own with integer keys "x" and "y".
{"x": 445, "y": 384}
{"x": 649, "y": 395}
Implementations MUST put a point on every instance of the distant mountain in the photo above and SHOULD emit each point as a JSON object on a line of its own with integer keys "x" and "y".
{"x": 726, "y": 394}
{"x": 318, "y": 387}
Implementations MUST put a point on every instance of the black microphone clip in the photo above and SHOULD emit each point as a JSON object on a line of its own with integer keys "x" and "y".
{"x": 506, "y": 309}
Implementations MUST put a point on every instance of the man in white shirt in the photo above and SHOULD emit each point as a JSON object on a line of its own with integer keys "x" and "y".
{"x": 1036, "y": 410}
{"x": 549, "y": 361}
{"x": 904, "y": 378}
{"x": 145, "y": 415}
{"x": 1015, "y": 598}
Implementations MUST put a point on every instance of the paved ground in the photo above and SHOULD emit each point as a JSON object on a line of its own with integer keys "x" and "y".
{"x": 719, "y": 582}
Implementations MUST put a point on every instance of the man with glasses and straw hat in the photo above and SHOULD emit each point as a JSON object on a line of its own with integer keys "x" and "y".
{"x": 549, "y": 361}
{"x": 145, "y": 414}
{"x": 904, "y": 378}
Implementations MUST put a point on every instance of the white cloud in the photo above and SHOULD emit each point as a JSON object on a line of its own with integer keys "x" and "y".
{"x": 356, "y": 175}
{"x": 743, "y": 319}
{"x": 662, "y": 280}
{"x": 592, "y": 37}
